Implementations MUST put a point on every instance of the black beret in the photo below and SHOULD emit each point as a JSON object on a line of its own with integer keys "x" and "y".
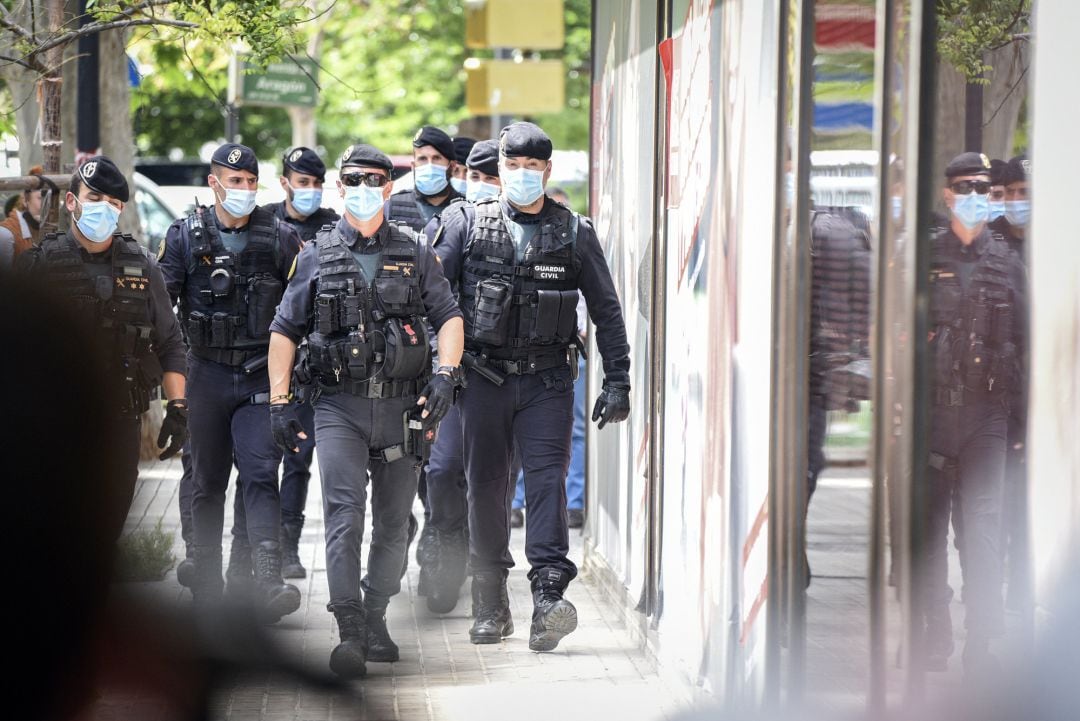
{"x": 462, "y": 148}
{"x": 997, "y": 171}
{"x": 366, "y": 156}
{"x": 484, "y": 156}
{"x": 305, "y": 161}
{"x": 525, "y": 140}
{"x": 101, "y": 175}
{"x": 430, "y": 135}
{"x": 1017, "y": 170}
{"x": 237, "y": 157}
{"x": 968, "y": 164}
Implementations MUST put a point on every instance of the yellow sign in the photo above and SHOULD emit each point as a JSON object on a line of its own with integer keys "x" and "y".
{"x": 505, "y": 87}
{"x": 525, "y": 24}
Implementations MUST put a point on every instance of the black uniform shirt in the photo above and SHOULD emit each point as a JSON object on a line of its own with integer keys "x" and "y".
{"x": 297, "y": 306}
{"x": 177, "y": 253}
{"x": 594, "y": 281}
{"x": 168, "y": 343}
{"x": 309, "y": 226}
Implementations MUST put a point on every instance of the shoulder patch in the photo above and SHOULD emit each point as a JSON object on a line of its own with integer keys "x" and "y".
{"x": 161, "y": 249}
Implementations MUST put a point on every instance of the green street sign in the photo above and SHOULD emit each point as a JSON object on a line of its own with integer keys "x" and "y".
{"x": 288, "y": 82}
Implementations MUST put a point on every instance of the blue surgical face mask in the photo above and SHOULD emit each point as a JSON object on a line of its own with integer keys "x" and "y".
{"x": 1018, "y": 212}
{"x": 897, "y": 207}
{"x": 306, "y": 200}
{"x": 363, "y": 202}
{"x": 972, "y": 210}
{"x": 459, "y": 185}
{"x": 997, "y": 209}
{"x": 98, "y": 221}
{"x": 479, "y": 190}
{"x": 523, "y": 186}
{"x": 430, "y": 179}
{"x": 238, "y": 203}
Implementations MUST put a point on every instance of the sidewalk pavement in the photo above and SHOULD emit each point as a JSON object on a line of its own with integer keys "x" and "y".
{"x": 597, "y": 672}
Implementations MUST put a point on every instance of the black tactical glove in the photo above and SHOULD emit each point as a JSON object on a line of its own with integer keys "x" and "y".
{"x": 613, "y": 405}
{"x": 437, "y": 397}
{"x": 173, "y": 429}
{"x": 286, "y": 427}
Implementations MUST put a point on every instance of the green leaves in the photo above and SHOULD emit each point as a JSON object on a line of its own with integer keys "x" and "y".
{"x": 967, "y": 29}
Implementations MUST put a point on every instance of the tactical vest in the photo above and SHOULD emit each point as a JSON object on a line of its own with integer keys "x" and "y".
{"x": 403, "y": 208}
{"x": 310, "y": 226}
{"x": 524, "y": 315}
{"x": 230, "y": 298}
{"x": 369, "y": 339}
{"x": 972, "y": 343}
{"x": 118, "y": 303}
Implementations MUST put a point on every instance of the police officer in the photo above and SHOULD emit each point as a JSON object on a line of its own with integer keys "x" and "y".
{"x": 442, "y": 550}
{"x": 433, "y": 165}
{"x": 360, "y": 296}
{"x": 228, "y": 266}
{"x": 462, "y": 147}
{"x": 1013, "y": 226}
{"x": 977, "y": 320}
{"x": 303, "y": 174}
{"x": 121, "y": 290}
{"x": 520, "y": 261}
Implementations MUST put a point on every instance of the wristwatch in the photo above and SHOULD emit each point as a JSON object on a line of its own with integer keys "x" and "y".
{"x": 454, "y": 372}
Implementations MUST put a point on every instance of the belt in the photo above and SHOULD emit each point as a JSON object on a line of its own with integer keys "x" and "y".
{"x": 531, "y": 364}
{"x": 226, "y": 356}
{"x": 372, "y": 389}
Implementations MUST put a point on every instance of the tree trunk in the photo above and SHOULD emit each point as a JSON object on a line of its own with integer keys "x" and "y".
{"x": 1003, "y": 98}
{"x": 50, "y": 93}
{"x": 303, "y": 126}
{"x": 117, "y": 134}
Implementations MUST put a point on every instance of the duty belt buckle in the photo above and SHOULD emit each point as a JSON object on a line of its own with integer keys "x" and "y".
{"x": 375, "y": 390}
{"x": 956, "y": 396}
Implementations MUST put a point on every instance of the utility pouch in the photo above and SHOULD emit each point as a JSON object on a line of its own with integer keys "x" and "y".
{"x": 351, "y": 311}
{"x": 408, "y": 354}
{"x": 1003, "y": 322}
{"x": 556, "y": 315}
{"x": 221, "y": 330}
{"x": 393, "y": 298}
{"x": 195, "y": 327}
{"x": 975, "y": 365}
{"x": 326, "y": 313}
{"x": 491, "y": 316}
{"x": 263, "y": 296}
{"x": 355, "y": 353}
{"x": 418, "y": 440}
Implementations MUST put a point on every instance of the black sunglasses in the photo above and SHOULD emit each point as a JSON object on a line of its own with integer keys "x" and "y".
{"x": 963, "y": 187}
{"x": 371, "y": 180}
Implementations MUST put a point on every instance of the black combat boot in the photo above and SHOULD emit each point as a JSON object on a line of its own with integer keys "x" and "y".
{"x": 380, "y": 647}
{"x": 240, "y": 575}
{"x": 290, "y": 551}
{"x": 427, "y": 557}
{"x": 348, "y": 657}
{"x": 185, "y": 570}
{"x": 938, "y": 641}
{"x": 492, "y": 608}
{"x": 274, "y": 597}
{"x": 553, "y": 616}
{"x": 448, "y": 574}
{"x": 207, "y": 585}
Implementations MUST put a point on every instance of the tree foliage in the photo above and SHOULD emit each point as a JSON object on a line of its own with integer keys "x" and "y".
{"x": 388, "y": 67}
{"x": 968, "y": 29}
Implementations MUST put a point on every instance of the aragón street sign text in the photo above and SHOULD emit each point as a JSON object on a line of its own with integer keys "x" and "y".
{"x": 290, "y": 81}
